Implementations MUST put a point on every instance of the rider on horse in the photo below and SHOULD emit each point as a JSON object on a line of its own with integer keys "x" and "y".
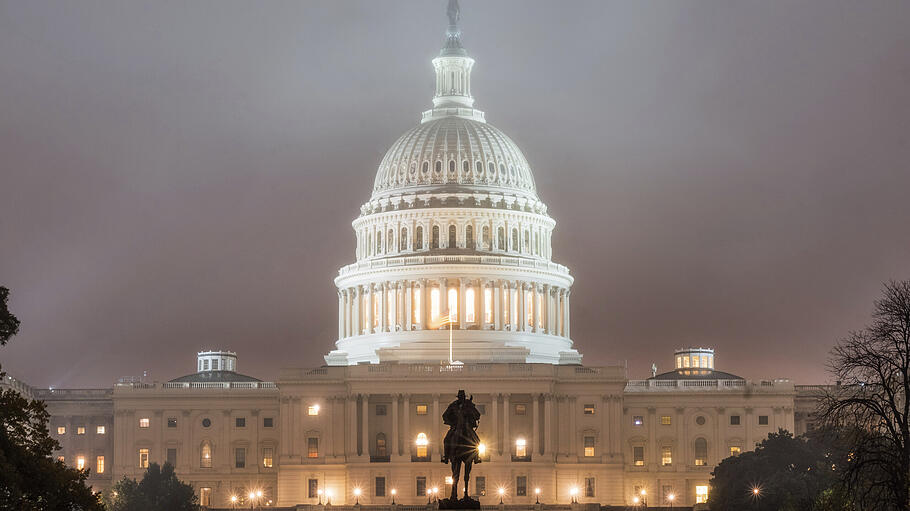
{"x": 461, "y": 416}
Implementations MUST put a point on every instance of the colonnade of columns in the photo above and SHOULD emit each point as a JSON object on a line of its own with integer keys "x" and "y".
{"x": 480, "y": 304}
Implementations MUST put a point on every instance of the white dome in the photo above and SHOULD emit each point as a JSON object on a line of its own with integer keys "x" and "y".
{"x": 452, "y": 152}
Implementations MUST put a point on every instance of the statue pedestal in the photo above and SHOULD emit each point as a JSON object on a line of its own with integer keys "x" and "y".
{"x": 463, "y": 503}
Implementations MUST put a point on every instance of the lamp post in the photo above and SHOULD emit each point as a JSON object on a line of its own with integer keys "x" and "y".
{"x": 328, "y": 497}
{"x": 429, "y": 496}
{"x": 644, "y": 497}
{"x": 670, "y": 498}
{"x": 574, "y": 493}
{"x": 537, "y": 495}
{"x": 233, "y": 501}
{"x": 502, "y": 491}
{"x": 319, "y": 493}
{"x": 259, "y": 499}
{"x": 356, "y": 496}
{"x": 251, "y": 496}
{"x": 394, "y": 491}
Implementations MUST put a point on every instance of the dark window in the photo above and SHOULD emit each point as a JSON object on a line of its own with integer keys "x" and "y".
{"x": 521, "y": 409}
{"x": 380, "y": 410}
{"x": 403, "y": 240}
{"x": 312, "y": 488}
{"x": 701, "y": 452}
{"x": 589, "y": 486}
{"x": 469, "y": 236}
{"x": 486, "y": 237}
{"x": 521, "y": 486}
{"x": 240, "y": 457}
{"x": 638, "y": 455}
{"x": 380, "y": 445}
{"x": 762, "y": 420}
{"x": 434, "y": 240}
{"x": 501, "y": 239}
{"x": 418, "y": 239}
{"x": 312, "y": 444}
{"x": 514, "y": 239}
{"x": 268, "y": 422}
{"x": 240, "y": 422}
{"x": 438, "y": 167}
{"x": 480, "y": 486}
{"x": 421, "y": 486}
{"x": 452, "y": 237}
{"x": 172, "y": 422}
{"x": 700, "y": 420}
{"x": 452, "y": 162}
{"x": 734, "y": 420}
{"x": 380, "y": 487}
{"x": 206, "y": 422}
{"x": 172, "y": 456}
{"x": 388, "y": 241}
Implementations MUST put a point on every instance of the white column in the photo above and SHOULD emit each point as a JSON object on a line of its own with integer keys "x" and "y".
{"x": 567, "y": 320}
{"x": 493, "y": 444}
{"x": 443, "y": 297}
{"x": 522, "y": 313}
{"x": 424, "y": 306}
{"x": 408, "y": 441}
{"x": 573, "y": 429}
{"x": 535, "y": 443}
{"x": 352, "y": 426}
{"x": 505, "y": 446}
{"x": 497, "y": 305}
{"x": 341, "y": 314}
{"x": 409, "y": 305}
{"x": 548, "y": 426}
{"x": 384, "y": 307}
{"x": 559, "y": 312}
{"x": 535, "y": 303}
{"x": 462, "y": 304}
{"x": 369, "y": 305}
{"x": 395, "y": 419}
{"x": 483, "y": 285}
{"x": 365, "y": 421}
{"x": 355, "y": 314}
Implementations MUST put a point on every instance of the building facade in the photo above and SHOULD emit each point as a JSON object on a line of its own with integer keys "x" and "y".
{"x": 453, "y": 287}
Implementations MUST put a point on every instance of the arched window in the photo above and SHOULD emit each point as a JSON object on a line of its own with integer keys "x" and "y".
{"x": 452, "y": 237}
{"x": 527, "y": 243}
{"x": 438, "y": 167}
{"x": 370, "y": 244}
{"x": 453, "y": 302}
{"x": 434, "y": 304}
{"x": 478, "y": 167}
{"x": 502, "y": 170}
{"x": 426, "y": 167}
{"x": 379, "y": 242}
{"x": 403, "y": 240}
{"x": 486, "y": 237}
{"x": 451, "y": 166}
{"x": 389, "y": 240}
{"x": 435, "y": 239}
{"x": 501, "y": 239}
{"x": 466, "y": 167}
{"x": 491, "y": 169}
{"x": 380, "y": 445}
{"x": 469, "y": 236}
{"x": 514, "y": 240}
{"x": 205, "y": 455}
{"x": 418, "y": 239}
{"x": 701, "y": 452}
{"x": 421, "y": 444}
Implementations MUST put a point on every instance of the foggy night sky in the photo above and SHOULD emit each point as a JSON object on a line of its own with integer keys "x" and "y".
{"x": 182, "y": 175}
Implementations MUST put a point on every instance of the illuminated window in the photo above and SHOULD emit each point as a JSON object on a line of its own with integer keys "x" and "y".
{"x": 61, "y": 430}
{"x": 239, "y": 457}
{"x": 312, "y": 410}
{"x": 480, "y": 486}
{"x": 381, "y": 445}
{"x": 144, "y": 422}
{"x": 421, "y": 444}
{"x": 205, "y": 459}
{"x": 638, "y": 455}
{"x": 638, "y": 420}
{"x": 589, "y": 410}
{"x": 80, "y": 430}
{"x": 469, "y": 305}
{"x": 421, "y": 409}
{"x": 762, "y": 420}
{"x": 701, "y": 452}
{"x": 701, "y": 494}
{"x": 678, "y": 362}
{"x": 100, "y": 430}
{"x": 80, "y": 462}
{"x": 666, "y": 456}
{"x": 172, "y": 422}
{"x": 735, "y": 450}
{"x": 453, "y": 302}
{"x": 521, "y": 409}
{"x": 521, "y": 447}
{"x": 695, "y": 361}
{"x": 312, "y": 447}
{"x": 434, "y": 304}
{"x": 143, "y": 458}
{"x": 488, "y": 304}
{"x": 99, "y": 465}
{"x": 205, "y": 497}
{"x": 589, "y": 446}
{"x": 685, "y": 361}
{"x": 267, "y": 454}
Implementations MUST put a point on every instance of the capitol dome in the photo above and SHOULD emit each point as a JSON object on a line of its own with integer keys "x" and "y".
{"x": 451, "y": 152}
{"x": 453, "y": 255}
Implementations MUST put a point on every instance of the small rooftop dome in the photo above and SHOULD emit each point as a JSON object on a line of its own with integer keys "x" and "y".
{"x": 216, "y": 366}
{"x": 695, "y": 364}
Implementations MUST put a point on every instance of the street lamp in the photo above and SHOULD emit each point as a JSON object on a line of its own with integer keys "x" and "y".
{"x": 356, "y": 496}
{"x": 259, "y": 499}
{"x": 537, "y": 495}
{"x": 671, "y": 497}
{"x": 502, "y": 491}
{"x": 429, "y": 495}
{"x": 252, "y": 496}
{"x": 319, "y": 493}
{"x": 394, "y": 491}
{"x": 435, "y": 494}
{"x": 644, "y": 497}
{"x": 635, "y": 500}
{"x": 328, "y": 497}
{"x": 233, "y": 501}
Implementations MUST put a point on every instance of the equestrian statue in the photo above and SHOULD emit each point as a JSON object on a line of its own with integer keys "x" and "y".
{"x": 461, "y": 448}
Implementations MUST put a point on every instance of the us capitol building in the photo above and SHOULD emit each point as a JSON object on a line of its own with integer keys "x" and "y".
{"x": 454, "y": 241}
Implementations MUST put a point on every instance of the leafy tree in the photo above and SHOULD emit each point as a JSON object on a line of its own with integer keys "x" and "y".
{"x": 782, "y": 474}
{"x": 29, "y": 478}
{"x": 871, "y": 401}
{"x": 159, "y": 490}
